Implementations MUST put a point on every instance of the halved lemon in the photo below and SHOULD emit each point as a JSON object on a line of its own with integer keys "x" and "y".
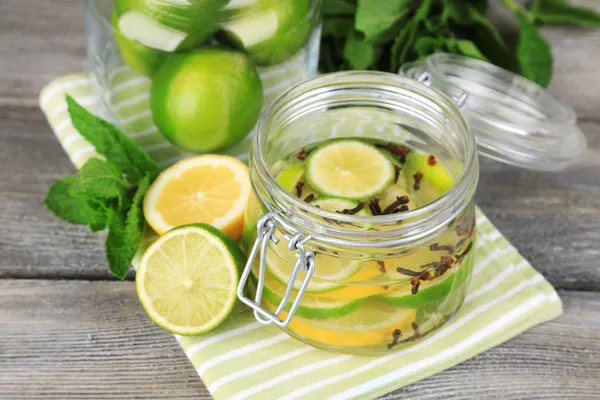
{"x": 211, "y": 189}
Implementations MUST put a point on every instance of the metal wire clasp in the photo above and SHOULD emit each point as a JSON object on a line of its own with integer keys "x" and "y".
{"x": 306, "y": 260}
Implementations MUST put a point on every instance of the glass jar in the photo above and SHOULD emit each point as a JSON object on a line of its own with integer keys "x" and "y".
{"x": 128, "y": 41}
{"x": 349, "y": 283}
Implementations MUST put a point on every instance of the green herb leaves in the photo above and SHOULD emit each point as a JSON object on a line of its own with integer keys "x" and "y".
{"x": 384, "y": 34}
{"x": 533, "y": 52}
{"x": 106, "y": 193}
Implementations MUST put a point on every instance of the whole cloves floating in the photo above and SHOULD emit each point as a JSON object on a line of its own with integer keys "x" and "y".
{"x": 417, "y": 177}
{"x": 302, "y": 154}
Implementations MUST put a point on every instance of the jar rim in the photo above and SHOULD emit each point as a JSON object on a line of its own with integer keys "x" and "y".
{"x": 464, "y": 184}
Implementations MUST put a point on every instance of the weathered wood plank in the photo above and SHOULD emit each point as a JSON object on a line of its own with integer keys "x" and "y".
{"x": 40, "y": 41}
{"x": 552, "y": 218}
{"x": 76, "y": 339}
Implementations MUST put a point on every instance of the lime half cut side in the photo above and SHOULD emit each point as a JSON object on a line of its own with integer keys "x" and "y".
{"x": 349, "y": 169}
{"x": 187, "y": 279}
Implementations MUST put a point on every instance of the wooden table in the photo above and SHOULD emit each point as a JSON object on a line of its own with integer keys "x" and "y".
{"x": 70, "y": 331}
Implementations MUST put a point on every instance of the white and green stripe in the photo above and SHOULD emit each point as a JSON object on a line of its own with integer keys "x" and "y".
{"x": 243, "y": 359}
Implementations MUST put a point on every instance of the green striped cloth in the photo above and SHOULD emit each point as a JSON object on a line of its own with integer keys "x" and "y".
{"x": 243, "y": 359}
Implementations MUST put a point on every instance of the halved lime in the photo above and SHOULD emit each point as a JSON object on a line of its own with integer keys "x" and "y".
{"x": 350, "y": 169}
{"x": 310, "y": 307}
{"x": 430, "y": 290}
{"x": 187, "y": 279}
{"x": 339, "y": 205}
{"x": 207, "y": 99}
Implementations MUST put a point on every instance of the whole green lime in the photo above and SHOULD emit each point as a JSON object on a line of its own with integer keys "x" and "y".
{"x": 170, "y": 25}
{"x": 271, "y": 31}
{"x": 206, "y": 100}
{"x": 142, "y": 59}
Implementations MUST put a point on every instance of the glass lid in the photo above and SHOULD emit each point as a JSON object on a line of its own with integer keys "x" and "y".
{"x": 514, "y": 120}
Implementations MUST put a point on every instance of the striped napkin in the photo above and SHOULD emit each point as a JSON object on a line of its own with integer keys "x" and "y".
{"x": 242, "y": 359}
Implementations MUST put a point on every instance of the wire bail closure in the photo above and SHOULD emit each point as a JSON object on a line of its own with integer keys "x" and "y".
{"x": 306, "y": 260}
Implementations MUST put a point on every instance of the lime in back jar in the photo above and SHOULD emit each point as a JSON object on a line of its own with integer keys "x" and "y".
{"x": 360, "y": 233}
{"x": 197, "y": 72}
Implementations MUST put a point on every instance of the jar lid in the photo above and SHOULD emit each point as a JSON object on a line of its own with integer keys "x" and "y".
{"x": 514, "y": 120}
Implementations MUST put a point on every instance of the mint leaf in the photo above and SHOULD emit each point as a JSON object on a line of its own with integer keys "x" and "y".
{"x": 109, "y": 141}
{"x": 533, "y": 52}
{"x": 125, "y": 233}
{"x": 338, "y": 7}
{"x": 468, "y": 48}
{"x": 488, "y": 40}
{"x": 359, "y": 53}
{"x": 73, "y": 209}
{"x": 561, "y": 12}
{"x": 99, "y": 180}
{"x": 374, "y": 17}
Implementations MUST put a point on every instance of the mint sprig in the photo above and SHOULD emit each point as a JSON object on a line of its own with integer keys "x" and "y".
{"x": 106, "y": 193}
{"x": 384, "y": 34}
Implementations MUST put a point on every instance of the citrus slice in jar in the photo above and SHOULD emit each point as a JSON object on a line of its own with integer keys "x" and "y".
{"x": 349, "y": 169}
{"x": 310, "y": 307}
{"x": 429, "y": 290}
{"x": 330, "y": 270}
{"x": 427, "y": 176}
{"x": 343, "y": 206}
{"x": 212, "y": 189}
{"x": 372, "y": 324}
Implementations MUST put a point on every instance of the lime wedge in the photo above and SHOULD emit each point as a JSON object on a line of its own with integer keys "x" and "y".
{"x": 349, "y": 169}
{"x": 435, "y": 179}
{"x": 310, "y": 307}
{"x": 289, "y": 177}
{"x": 336, "y": 204}
{"x": 187, "y": 279}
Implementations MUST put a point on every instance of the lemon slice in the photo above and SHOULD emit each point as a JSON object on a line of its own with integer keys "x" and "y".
{"x": 349, "y": 169}
{"x": 187, "y": 279}
{"x": 211, "y": 189}
{"x": 372, "y": 324}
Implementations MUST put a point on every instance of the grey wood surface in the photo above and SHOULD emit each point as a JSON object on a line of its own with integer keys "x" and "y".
{"x": 87, "y": 337}
{"x": 77, "y": 339}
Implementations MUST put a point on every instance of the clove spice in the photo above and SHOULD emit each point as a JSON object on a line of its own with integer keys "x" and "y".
{"x": 374, "y": 206}
{"x": 395, "y": 337}
{"x": 381, "y": 266}
{"x": 302, "y": 154}
{"x": 354, "y": 210}
{"x": 417, "y": 177}
{"x": 397, "y": 170}
{"x": 431, "y": 160}
{"x": 447, "y": 247}
{"x": 309, "y": 198}
{"x": 299, "y": 187}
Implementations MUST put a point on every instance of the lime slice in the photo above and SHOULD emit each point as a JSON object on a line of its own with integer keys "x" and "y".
{"x": 187, "y": 279}
{"x": 310, "y": 307}
{"x": 271, "y": 31}
{"x": 170, "y": 25}
{"x": 430, "y": 290}
{"x": 337, "y": 204}
{"x": 391, "y": 194}
{"x": 372, "y": 324}
{"x": 350, "y": 169}
{"x": 289, "y": 177}
{"x": 435, "y": 179}
{"x": 144, "y": 60}
{"x": 328, "y": 270}
{"x": 373, "y": 315}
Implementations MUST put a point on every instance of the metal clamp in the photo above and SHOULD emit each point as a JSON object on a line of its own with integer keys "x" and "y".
{"x": 460, "y": 101}
{"x": 306, "y": 260}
